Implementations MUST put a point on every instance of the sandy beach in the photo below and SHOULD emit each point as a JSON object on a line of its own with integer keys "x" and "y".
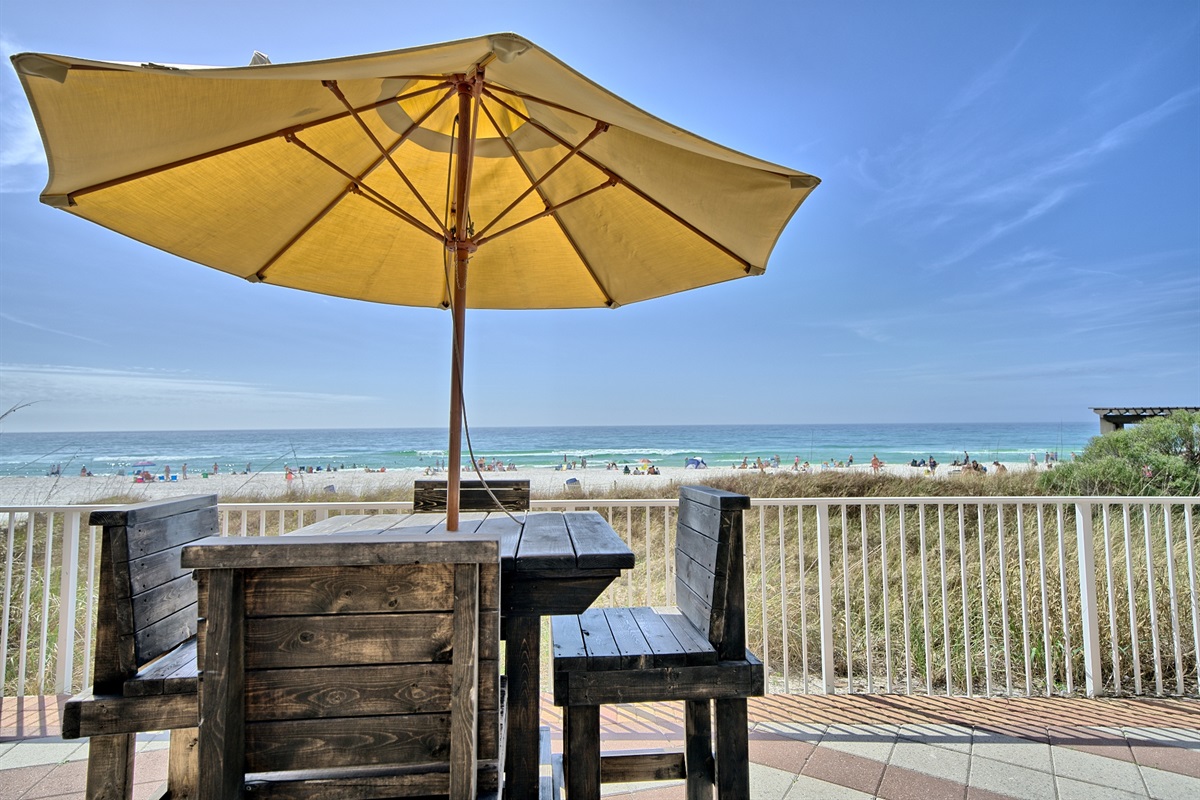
{"x": 73, "y": 489}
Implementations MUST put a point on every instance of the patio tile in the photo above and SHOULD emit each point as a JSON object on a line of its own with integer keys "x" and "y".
{"x": 40, "y": 751}
{"x": 1006, "y": 778}
{"x": 804, "y": 731}
{"x": 1011, "y": 750}
{"x": 780, "y": 752}
{"x": 1090, "y": 768}
{"x": 1110, "y": 743}
{"x": 1164, "y": 785}
{"x": 18, "y": 781}
{"x": 845, "y": 769}
{"x": 868, "y": 741}
{"x": 807, "y": 787}
{"x": 1169, "y": 757}
{"x": 906, "y": 784}
{"x": 1071, "y": 789}
{"x": 949, "y": 737}
{"x": 770, "y": 784}
{"x": 67, "y": 778}
{"x": 1178, "y": 737}
{"x": 938, "y": 762}
{"x": 977, "y": 793}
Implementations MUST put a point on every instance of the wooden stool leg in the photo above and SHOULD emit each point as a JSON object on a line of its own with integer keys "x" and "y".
{"x": 733, "y": 750}
{"x": 581, "y": 751}
{"x": 183, "y": 764}
{"x": 110, "y": 767}
{"x": 698, "y": 753}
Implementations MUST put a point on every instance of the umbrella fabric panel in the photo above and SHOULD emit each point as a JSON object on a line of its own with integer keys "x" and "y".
{"x": 743, "y": 209}
{"x": 359, "y": 251}
{"x": 101, "y": 124}
{"x": 230, "y": 212}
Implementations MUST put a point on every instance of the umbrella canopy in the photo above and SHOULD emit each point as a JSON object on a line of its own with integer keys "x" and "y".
{"x": 380, "y": 177}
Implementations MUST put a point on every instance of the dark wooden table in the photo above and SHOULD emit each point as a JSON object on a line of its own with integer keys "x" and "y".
{"x": 551, "y": 563}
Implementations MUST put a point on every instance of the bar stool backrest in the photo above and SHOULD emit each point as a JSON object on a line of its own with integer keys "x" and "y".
{"x": 709, "y": 579}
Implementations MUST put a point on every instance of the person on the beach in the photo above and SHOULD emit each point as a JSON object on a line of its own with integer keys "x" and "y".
{"x": 998, "y": 467}
{"x": 167, "y": 472}
{"x": 933, "y": 465}
{"x": 850, "y": 460}
{"x": 215, "y": 468}
{"x": 1033, "y": 461}
{"x": 876, "y": 464}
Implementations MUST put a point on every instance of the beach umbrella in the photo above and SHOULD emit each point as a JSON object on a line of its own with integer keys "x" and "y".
{"x": 480, "y": 173}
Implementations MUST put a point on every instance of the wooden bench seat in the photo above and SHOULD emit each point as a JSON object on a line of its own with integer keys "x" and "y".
{"x": 144, "y": 670}
{"x": 513, "y": 495}
{"x": 695, "y": 653}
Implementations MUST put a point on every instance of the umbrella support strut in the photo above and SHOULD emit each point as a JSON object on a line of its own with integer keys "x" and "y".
{"x": 463, "y": 245}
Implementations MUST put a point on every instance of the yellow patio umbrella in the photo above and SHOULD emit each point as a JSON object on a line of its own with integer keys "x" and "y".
{"x": 408, "y": 177}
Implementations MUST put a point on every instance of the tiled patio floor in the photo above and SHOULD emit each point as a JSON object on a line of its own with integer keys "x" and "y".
{"x": 814, "y": 747}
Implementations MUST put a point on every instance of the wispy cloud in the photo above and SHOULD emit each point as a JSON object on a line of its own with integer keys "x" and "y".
{"x": 982, "y": 169}
{"x": 1026, "y": 215}
{"x": 142, "y": 387}
{"x": 45, "y": 329}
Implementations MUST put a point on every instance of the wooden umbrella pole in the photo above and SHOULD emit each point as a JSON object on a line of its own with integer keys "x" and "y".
{"x": 463, "y": 246}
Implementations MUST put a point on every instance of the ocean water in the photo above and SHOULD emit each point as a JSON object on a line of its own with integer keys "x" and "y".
{"x": 544, "y": 447}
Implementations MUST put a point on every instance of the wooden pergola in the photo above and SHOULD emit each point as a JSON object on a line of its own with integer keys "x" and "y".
{"x": 1114, "y": 419}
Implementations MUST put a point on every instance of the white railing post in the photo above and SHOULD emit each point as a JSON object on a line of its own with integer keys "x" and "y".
{"x": 1088, "y": 612}
{"x": 68, "y": 590}
{"x": 825, "y": 598}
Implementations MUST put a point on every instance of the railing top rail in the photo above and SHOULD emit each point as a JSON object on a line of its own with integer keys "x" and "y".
{"x": 577, "y": 502}
{"x": 966, "y": 500}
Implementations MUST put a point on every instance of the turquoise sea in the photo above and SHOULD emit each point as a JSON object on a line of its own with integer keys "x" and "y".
{"x": 417, "y": 448}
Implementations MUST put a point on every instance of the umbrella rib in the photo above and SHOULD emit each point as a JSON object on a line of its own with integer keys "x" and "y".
{"x": 583, "y": 259}
{"x": 371, "y": 194}
{"x": 749, "y": 268}
{"x": 260, "y": 275}
{"x": 385, "y": 152}
{"x": 548, "y": 103}
{"x": 549, "y": 210}
{"x": 599, "y": 129}
{"x": 229, "y": 148}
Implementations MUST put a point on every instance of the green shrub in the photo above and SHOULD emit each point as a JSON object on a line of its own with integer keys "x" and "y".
{"x": 1160, "y": 456}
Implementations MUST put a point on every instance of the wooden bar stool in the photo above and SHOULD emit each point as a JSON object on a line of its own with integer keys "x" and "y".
{"x": 695, "y": 653}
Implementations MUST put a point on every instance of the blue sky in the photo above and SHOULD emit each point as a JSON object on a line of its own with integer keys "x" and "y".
{"x": 1008, "y": 228}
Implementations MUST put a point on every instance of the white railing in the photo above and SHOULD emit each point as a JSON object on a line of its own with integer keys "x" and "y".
{"x": 977, "y": 596}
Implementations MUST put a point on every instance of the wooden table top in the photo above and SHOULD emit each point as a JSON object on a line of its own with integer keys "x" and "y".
{"x": 563, "y": 543}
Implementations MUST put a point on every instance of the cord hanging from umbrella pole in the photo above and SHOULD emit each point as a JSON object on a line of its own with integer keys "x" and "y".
{"x": 463, "y": 245}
